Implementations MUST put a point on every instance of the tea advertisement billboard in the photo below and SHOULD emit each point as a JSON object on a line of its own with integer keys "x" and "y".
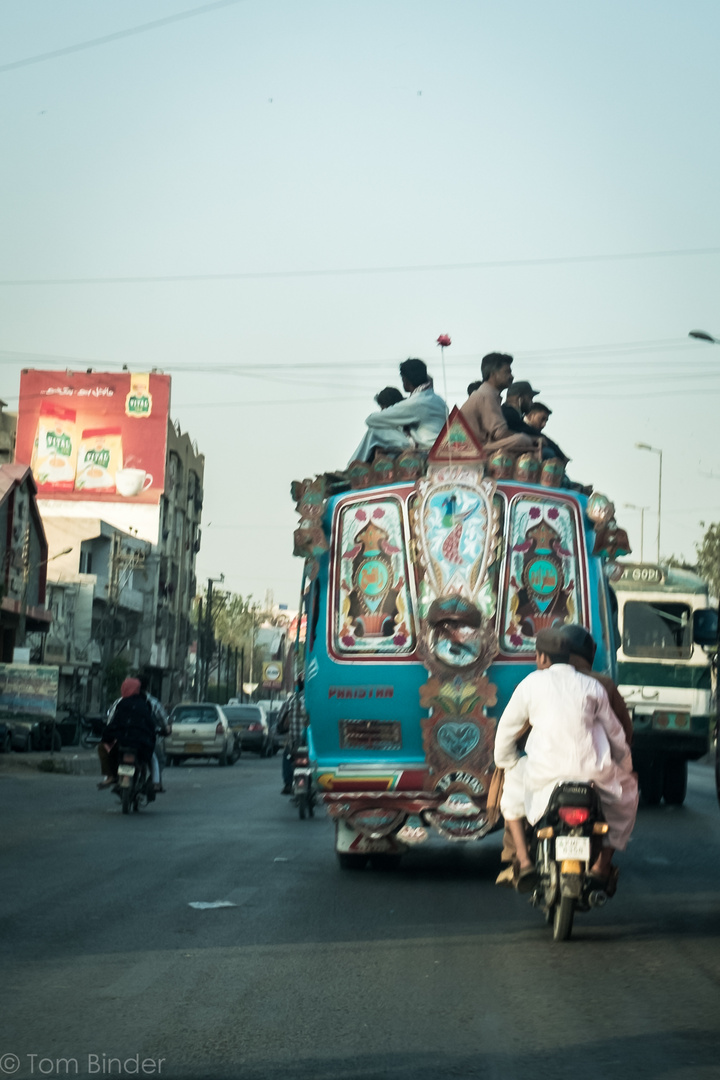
{"x": 94, "y": 436}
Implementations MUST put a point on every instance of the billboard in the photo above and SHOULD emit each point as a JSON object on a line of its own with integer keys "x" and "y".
{"x": 94, "y": 436}
{"x": 28, "y": 691}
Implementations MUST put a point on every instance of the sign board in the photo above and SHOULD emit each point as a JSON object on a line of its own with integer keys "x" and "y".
{"x": 642, "y": 574}
{"x": 28, "y": 691}
{"x": 99, "y": 437}
{"x": 272, "y": 674}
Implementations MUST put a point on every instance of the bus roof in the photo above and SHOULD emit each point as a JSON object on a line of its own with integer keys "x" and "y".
{"x": 654, "y": 577}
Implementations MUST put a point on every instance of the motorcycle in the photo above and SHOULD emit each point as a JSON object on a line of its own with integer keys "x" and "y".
{"x": 566, "y": 842}
{"x": 303, "y": 791}
{"x": 134, "y": 787}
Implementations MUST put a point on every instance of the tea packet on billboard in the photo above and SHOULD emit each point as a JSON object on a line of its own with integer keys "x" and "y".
{"x": 99, "y": 459}
{"x": 55, "y": 450}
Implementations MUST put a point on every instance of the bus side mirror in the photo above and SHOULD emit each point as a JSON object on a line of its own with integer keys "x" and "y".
{"x": 705, "y": 628}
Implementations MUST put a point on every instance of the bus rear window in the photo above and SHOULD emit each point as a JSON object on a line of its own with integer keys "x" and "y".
{"x": 544, "y": 572}
{"x": 372, "y": 600}
{"x": 656, "y": 629}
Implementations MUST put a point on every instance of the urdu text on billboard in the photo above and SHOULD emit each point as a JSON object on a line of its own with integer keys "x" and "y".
{"x": 94, "y": 437}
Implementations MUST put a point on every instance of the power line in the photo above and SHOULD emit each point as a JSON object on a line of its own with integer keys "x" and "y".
{"x": 107, "y": 38}
{"x": 260, "y": 275}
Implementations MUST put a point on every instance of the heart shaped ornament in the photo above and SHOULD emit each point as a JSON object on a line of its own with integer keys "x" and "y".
{"x": 457, "y": 740}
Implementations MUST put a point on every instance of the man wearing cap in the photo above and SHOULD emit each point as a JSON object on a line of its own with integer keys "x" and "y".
{"x": 518, "y": 401}
{"x": 574, "y": 735}
{"x": 483, "y": 411}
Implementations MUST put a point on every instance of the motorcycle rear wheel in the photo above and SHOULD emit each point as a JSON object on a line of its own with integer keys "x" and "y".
{"x": 125, "y": 797}
{"x": 563, "y": 918}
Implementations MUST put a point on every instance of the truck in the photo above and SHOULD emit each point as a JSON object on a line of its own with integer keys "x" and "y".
{"x": 667, "y": 638}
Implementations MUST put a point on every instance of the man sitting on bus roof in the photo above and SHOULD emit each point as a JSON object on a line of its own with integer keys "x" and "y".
{"x": 536, "y": 418}
{"x": 414, "y": 422}
{"x": 483, "y": 411}
{"x": 518, "y": 401}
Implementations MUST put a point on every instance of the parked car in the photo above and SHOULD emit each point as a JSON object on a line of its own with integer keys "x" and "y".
{"x": 200, "y": 730}
{"x": 252, "y": 727}
{"x": 35, "y": 735}
{"x": 6, "y": 736}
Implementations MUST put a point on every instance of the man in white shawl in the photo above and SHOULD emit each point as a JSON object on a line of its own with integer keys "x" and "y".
{"x": 574, "y": 735}
{"x": 416, "y": 421}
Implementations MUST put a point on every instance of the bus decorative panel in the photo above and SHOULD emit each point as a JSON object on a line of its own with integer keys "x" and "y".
{"x": 543, "y": 586}
{"x": 372, "y": 600}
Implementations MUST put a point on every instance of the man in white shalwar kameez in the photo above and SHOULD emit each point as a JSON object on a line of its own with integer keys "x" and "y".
{"x": 574, "y": 735}
{"x": 416, "y": 421}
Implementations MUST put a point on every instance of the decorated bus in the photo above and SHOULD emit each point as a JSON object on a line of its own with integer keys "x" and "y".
{"x": 668, "y": 633}
{"x": 427, "y": 578}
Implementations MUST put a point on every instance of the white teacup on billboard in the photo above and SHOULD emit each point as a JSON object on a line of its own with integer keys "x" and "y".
{"x": 131, "y": 482}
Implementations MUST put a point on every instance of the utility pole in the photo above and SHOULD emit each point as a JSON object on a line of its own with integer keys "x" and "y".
{"x": 22, "y": 620}
{"x": 209, "y": 635}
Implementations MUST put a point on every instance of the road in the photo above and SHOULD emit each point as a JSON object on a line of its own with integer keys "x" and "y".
{"x": 429, "y": 971}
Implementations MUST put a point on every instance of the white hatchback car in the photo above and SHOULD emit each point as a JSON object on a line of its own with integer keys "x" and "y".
{"x": 200, "y": 730}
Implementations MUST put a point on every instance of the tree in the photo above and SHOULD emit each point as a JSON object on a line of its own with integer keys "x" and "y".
{"x": 708, "y": 557}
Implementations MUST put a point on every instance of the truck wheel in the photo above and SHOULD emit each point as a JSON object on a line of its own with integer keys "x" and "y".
{"x": 652, "y": 777}
{"x": 348, "y": 860}
{"x": 675, "y": 782}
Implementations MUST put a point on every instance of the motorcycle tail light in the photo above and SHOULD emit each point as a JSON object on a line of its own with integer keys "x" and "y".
{"x": 128, "y": 759}
{"x": 574, "y": 815}
{"x": 255, "y": 727}
{"x": 302, "y": 761}
{"x": 219, "y": 729}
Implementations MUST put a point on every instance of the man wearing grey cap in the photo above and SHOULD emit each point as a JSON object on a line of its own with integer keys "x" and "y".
{"x": 574, "y": 735}
{"x": 518, "y": 401}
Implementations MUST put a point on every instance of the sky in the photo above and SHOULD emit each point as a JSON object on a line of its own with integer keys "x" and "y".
{"x": 276, "y": 202}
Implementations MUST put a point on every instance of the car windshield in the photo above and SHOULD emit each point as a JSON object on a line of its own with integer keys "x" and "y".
{"x": 194, "y": 714}
{"x": 242, "y": 712}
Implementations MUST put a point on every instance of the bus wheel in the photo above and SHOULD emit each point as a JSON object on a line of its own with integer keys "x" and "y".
{"x": 349, "y": 861}
{"x": 675, "y": 782}
{"x": 652, "y": 778}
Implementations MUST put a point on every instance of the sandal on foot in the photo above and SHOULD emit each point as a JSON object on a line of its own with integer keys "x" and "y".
{"x": 526, "y": 879}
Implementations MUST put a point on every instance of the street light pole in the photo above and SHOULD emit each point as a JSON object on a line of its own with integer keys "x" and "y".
{"x": 642, "y": 509}
{"x": 655, "y": 450}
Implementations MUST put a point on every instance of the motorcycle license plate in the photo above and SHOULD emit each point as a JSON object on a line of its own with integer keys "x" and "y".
{"x": 572, "y": 847}
{"x": 193, "y": 748}
{"x": 126, "y": 770}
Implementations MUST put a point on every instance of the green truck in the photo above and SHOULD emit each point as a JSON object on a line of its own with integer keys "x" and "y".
{"x": 668, "y": 639}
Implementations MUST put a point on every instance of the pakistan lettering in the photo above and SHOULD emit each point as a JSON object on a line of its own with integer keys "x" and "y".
{"x": 345, "y": 692}
{"x": 61, "y": 444}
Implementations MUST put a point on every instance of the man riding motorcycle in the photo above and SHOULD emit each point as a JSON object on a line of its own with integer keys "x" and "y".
{"x": 574, "y": 735}
{"x": 132, "y": 725}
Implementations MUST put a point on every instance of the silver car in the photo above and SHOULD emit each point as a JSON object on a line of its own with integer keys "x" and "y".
{"x": 200, "y": 730}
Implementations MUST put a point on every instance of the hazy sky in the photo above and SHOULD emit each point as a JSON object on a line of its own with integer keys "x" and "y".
{"x": 283, "y": 142}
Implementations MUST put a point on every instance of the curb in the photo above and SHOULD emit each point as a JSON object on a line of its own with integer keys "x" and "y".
{"x": 84, "y": 763}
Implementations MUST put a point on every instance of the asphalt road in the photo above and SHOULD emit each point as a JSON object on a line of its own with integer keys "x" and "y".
{"x": 429, "y": 971}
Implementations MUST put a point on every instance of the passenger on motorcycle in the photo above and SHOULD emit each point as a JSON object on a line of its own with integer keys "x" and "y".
{"x": 574, "y": 735}
{"x": 132, "y": 724}
{"x": 292, "y": 722}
